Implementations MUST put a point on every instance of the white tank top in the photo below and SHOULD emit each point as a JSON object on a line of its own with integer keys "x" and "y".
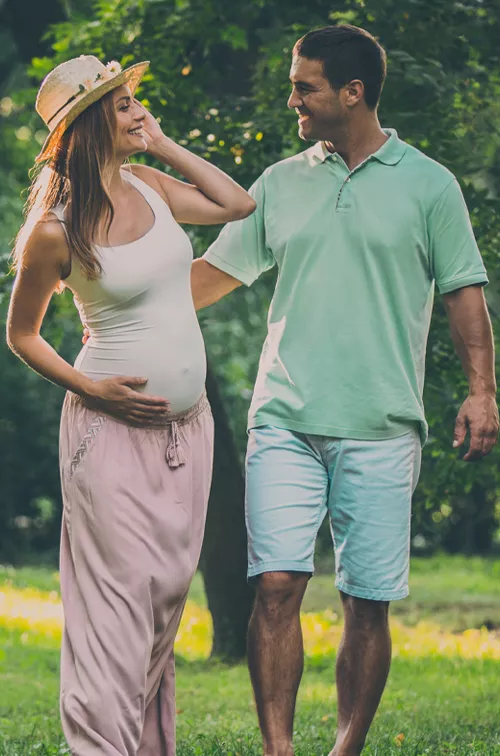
{"x": 140, "y": 311}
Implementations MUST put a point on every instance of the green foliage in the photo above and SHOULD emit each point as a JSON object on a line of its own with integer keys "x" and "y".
{"x": 219, "y": 83}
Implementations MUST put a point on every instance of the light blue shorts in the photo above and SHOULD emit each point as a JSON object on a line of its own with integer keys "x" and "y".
{"x": 295, "y": 479}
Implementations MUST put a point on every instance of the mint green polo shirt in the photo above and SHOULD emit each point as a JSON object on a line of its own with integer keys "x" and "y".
{"x": 358, "y": 255}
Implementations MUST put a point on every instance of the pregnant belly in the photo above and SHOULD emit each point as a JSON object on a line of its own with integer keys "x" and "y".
{"x": 176, "y": 371}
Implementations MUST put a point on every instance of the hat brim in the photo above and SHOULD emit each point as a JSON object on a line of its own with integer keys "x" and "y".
{"x": 131, "y": 76}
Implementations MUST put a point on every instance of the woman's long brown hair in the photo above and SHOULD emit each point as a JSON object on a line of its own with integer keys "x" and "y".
{"x": 75, "y": 176}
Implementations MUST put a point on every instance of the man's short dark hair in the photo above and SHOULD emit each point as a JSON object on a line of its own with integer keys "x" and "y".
{"x": 347, "y": 53}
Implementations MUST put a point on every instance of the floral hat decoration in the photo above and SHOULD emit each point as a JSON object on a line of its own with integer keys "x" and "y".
{"x": 74, "y": 85}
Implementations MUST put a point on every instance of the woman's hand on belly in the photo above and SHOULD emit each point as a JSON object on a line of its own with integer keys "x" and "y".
{"x": 118, "y": 397}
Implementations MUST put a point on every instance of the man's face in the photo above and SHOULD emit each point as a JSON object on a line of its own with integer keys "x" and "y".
{"x": 320, "y": 109}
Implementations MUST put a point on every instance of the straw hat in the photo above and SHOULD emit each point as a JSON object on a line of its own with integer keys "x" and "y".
{"x": 73, "y": 86}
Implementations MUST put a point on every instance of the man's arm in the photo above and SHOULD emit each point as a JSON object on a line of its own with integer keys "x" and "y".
{"x": 472, "y": 336}
{"x": 209, "y": 284}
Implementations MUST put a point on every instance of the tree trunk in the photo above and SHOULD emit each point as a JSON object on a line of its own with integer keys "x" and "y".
{"x": 224, "y": 556}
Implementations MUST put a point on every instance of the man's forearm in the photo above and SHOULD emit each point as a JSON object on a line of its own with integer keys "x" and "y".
{"x": 472, "y": 335}
{"x": 209, "y": 284}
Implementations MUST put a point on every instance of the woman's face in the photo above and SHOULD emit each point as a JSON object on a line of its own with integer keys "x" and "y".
{"x": 130, "y": 136}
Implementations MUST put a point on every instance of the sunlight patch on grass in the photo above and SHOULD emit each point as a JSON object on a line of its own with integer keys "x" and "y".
{"x": 322, "y": 633}
{"x": 32, "y": 612}
{"x": 37, "y": 613}
{"x": 194, "y": 637}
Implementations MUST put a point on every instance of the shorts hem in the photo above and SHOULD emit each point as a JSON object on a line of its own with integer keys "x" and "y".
{"x": 280, "y": 566}
{"x": 373, "y": 595}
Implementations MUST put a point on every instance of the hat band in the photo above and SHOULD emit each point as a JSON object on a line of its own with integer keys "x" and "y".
{"x": 63, "y": 106}
{"x": 111, "y": 70}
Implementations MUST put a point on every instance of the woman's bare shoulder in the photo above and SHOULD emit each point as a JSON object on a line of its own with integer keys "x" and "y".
{"x": 144, "y": 172}
{"x": 47, "y": 242}
{"x": 152, "y": 177}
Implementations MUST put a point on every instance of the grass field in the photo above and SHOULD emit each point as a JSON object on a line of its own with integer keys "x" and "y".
{"x": 442, "y": 697}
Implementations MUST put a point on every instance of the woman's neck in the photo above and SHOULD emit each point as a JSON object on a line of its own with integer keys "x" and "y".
{"x": 116, "y": 184}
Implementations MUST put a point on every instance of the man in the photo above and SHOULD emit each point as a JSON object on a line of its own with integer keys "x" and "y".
{"x": 360, "y": 226}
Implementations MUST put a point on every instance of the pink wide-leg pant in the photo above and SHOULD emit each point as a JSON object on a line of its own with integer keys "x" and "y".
{"x": 134, "y": 508}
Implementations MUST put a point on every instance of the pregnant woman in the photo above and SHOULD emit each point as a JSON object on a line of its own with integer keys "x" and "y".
{"x": 136, "y": 430}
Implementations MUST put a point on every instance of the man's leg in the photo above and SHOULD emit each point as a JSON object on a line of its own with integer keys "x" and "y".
{"x": 276, "y": 656}
{"x": 363, "y": 662}
{"x": 370, "y": 510}
{"x": 286, "y": 496}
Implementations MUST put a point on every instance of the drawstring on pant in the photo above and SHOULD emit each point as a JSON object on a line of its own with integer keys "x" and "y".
{"x": 174, "y": 453}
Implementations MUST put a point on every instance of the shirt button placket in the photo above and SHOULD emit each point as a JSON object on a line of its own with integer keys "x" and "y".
{"x": 340, "y": 206}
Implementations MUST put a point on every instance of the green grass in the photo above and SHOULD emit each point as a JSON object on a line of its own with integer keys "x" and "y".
{"x": 42, "y": 578}
{"x": 429, "y": 702}
{"x": 441, "y": 706}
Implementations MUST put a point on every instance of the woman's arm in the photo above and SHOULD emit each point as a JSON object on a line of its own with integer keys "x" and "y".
{"x": 211, "y": 196}
{"x": 37, "y": 279}
{"x": 45, "y": 257}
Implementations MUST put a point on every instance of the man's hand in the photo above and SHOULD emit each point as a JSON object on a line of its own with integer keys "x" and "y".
{"x": 472, "y": 336}
{"x": 479, "y": 415}
{"x": 86, "y": 334}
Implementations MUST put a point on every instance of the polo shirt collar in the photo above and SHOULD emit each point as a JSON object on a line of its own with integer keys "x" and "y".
{"x": 390, "y": 153}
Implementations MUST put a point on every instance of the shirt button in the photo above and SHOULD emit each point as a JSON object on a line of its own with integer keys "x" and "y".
{"x": 334, "y": 159}
{"x": 348, "y": 180}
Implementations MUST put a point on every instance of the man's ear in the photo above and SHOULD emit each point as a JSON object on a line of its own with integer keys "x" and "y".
{"x": 353, "y": 92}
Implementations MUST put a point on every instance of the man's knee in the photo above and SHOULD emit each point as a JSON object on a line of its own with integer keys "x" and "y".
{"x": 365, "y": 613}
{"x": 280, "y": 594}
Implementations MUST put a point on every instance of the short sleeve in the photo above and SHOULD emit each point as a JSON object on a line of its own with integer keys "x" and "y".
{"x": 240, "y": 249}
{"x": 455, "y": 257}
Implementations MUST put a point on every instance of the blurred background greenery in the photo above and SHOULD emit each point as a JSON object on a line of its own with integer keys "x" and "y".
{"x": 219, "y": 83}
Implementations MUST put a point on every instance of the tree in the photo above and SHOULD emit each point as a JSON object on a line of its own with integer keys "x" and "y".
{"x": 224, "y": 559}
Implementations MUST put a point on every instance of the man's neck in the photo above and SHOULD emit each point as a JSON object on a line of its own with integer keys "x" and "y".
{"x": 358, "y": 142}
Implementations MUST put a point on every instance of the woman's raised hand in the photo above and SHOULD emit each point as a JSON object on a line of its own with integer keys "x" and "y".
{"x": 152, "y": 129}
{"x": 119, "y": 398}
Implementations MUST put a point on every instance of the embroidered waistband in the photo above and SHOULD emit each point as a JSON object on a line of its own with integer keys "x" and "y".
{"x": 174, "y": 453}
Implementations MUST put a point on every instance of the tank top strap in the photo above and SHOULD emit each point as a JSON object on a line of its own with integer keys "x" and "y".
{"x": 60, "y": 213}
{"x": 151, "y": 196}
